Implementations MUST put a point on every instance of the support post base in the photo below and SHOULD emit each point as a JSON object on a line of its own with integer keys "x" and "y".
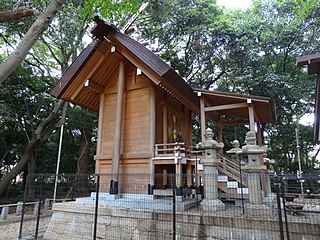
{"x": 212, "y": 205}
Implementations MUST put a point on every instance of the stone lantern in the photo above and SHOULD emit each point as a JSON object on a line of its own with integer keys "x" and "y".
{"x": 235, "y": 150}
{"x": 254, "y": 168}
{"x": 210, "y": 163}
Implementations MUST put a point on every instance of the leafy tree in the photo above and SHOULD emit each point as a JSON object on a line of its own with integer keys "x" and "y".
{"x": 10, "y": 11}
{"x": 244, "y": 51}
{"x": 181, "y": 33}
{"x": 29, "y": 39}
{"x": 272, "y": 36}
{"x": 58, "y": 47}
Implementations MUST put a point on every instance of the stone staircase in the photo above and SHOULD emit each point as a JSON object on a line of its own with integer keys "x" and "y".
{"x": 231, "y": 189}
{"x": 229, "y": 180}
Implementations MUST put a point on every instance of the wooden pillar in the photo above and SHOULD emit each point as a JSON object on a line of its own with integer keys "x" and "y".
{"x": 151, "y": 177}
{"x": 152, "y": 137}
{"x": 165, "y": 122}
{"x": 190, "y": 128}
{"x": 259, "y": 134}
{"x": 178, "y": 173}
{"x": 219, "y": 132}
{"x": 100, "y": 131}
{"x": 219, "y": 137}
{"x": 189, "y": 174}
{"x": 164, "y": 178}
{"x": 117, "y": 131}
{"x": 203, "y": 118}
{"x": 100, "y": 124}
{"x": 251, "y": 115}
{"x": 152, "y": 121}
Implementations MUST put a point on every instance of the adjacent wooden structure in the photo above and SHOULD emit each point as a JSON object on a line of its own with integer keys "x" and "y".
{"x": 313, "y": 64}
{"x": 145, "y": 109}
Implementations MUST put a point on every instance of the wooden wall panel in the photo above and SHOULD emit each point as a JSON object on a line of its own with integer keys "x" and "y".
{"x": 135, "y": 180}
{"x": 108, "y": 124}
{"x": 159, "y": 116}
{"x": 133, "y": 176}
{"x": 136, "y": 122}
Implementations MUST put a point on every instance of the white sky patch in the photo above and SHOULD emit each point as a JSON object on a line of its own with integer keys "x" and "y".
{"x": 307, "y": 119}
{"x": 234, "y": 3}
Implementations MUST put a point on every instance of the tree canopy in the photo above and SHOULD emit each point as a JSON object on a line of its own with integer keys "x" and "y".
{"x": 251, "y": 51}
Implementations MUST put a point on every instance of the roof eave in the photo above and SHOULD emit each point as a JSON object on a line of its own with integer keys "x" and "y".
{"x": 72, "y": 71}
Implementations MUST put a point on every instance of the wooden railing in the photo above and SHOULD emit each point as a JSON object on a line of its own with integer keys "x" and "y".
{"x": 178, "y": 149}
{"x": 231, "y": 169}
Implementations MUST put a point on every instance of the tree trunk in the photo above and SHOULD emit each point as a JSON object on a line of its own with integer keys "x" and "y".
{"x": 84, "y": 148}
{"x": 81, "y": 182}
{"x": 34, "y": 32}
{"x": 41, "y": 134}
{"x": 31, "y": 170}
{"x": 15, "y": 14}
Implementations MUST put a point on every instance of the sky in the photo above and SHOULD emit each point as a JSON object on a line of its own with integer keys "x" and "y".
{"x": 234, "y": 3}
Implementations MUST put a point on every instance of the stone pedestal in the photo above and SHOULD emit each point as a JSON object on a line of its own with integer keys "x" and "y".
{"x": 254, "y": 167}
{"x": 212, "y": 204}
{"x": 254, "y": 185}
{"x": 258, "y": 211}
{"x": 210, "y": 172}
{"x": 255, "y": 170}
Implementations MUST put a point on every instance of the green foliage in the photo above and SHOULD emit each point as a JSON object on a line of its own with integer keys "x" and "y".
{"x": 23, "y": 104}
{"x": 243, "y": 51}
{"x": 117, "y": 12}
{"x": 24, "y": 98}
{"x": 249, "y": 51}
{"x": 179, "y": 34}
{"x": 273, "y": 35}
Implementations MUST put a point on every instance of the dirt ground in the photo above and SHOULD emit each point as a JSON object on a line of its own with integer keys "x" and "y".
{"x": 9, "y": 228}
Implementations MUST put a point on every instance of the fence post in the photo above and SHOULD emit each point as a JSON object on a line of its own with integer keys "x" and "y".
{"x": 284, "y": 208}
{"x": 278, "y": 184}
{"x": 35, "y": 209}
{"x": 19, "y": 208}
{"x": 96, "y": 208}
{"x": 23, "y": 206}
{"x": 174, "y": 207}
{"x": 47, "y": 204}
{"x": 39, "y": 208}
{"x": 4, "y": 213}
{"x": 241, "y": 183}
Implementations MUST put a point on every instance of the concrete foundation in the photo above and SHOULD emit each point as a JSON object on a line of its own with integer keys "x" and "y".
{"x": 72, "y": 221}
{"x": 139, "y": 201}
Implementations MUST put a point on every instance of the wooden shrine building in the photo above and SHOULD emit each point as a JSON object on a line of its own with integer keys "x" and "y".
{"x": 145, "y": 109}
{"x": 313, "y": 65}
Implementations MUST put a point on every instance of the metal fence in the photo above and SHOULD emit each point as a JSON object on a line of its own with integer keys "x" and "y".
{"x": 82, "y": 207}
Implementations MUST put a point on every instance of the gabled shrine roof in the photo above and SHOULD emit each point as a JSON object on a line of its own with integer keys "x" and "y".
{"x": 96, "y": 66}
{"x": 150, "y": 64}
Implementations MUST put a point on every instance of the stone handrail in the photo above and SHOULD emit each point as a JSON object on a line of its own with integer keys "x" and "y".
{"x": 231, "y": 169}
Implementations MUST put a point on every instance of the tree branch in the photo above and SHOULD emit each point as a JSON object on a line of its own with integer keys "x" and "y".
{"x": 35, "y": 31}
{"x": 41, "y": 134}
{"x": 15, "y": 14}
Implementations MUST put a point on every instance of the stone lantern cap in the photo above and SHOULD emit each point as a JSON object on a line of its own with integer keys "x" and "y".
{"x": 251, "y": 147}
{"x": 209, "y": 142}
{"x": 235, "y": 147}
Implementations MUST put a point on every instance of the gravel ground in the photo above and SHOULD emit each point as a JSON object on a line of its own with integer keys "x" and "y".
{"x": 9, "y": 228}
